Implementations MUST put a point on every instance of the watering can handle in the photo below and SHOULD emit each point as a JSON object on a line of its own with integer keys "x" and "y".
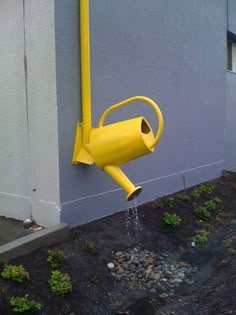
{"x": 137, "y": 99}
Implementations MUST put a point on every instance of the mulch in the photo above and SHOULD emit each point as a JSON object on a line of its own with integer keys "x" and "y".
{"x": 96, "y": 292}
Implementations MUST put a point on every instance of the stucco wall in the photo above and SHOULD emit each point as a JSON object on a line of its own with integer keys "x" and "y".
{"x": 171, "y": 53}
{"x": 230, "y": 135}
{"x": 232, "y": 16}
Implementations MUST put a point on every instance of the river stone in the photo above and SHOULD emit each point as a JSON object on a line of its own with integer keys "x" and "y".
{"x": 189, "y": 281}
{"x": 163, "y": 295}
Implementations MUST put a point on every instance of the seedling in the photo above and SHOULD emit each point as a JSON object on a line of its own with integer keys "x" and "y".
{"x": 202, "y": 213}
{"x": 195, "y": 194}
{"x": 170, "y": 202}
{"x": 200, "y": 239}
{"x": 60, "y": 283}
{"x": 23, "y": 304}
{"x": 183, "y": 197}
{"x": 89, "y": 248}
{"x": 203, "y": 189}
{"x": 212, "y": 204}
{"x": 165, "y": 202}
{"x": 172, "y": 220}
{"x": 56, "y": 258}
{"x": 159, "y": 203}
{"x": 15, "y": 273}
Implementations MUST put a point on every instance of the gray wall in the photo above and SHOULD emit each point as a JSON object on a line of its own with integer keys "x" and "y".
{"x": 171, "y": 51}
{"x": 231, "y": 16}
{"x": 230, "y": 134}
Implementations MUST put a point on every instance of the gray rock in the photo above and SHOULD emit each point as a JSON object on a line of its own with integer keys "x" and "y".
{"x": 177, "y": 280}
{"x": 118, "y": 277}
{"x": 181, "y": 275}
{"x": 189, "y": 281}
{"x": 163, "y": 295}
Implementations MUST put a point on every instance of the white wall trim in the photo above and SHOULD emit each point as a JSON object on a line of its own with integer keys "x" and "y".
{"x": 42, "y": 110}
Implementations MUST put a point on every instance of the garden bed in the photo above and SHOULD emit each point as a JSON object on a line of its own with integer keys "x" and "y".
{"x": 155, "y": 267}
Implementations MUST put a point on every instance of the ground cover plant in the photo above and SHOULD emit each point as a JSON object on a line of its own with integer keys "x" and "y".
{"x": 15, "y": 273}
{"x": 204, "y": 211}
{"x": 171, "y": 219}
{"x": 60, "y": 283}
{"x": 55, "y": 258}
{"x": 23, "y": 304}
{"x": 200, "y": 240}
{"x": 150, "y": 269}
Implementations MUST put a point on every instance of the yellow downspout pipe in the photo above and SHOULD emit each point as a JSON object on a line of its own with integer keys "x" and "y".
{"x": 85, "y": 70}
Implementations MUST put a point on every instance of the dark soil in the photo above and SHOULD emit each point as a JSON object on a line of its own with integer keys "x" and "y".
{"x": 94, "y": 288}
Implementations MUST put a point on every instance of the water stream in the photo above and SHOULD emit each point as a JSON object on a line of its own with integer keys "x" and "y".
{"x": 132, "y": 221}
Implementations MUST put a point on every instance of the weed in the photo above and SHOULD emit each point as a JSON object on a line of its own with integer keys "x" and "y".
{"x": 55, "y": 258}
{"x": 22, "y": 304}
{"x": 200, "y": 239}
{"x": 172, "y": 220}
{"x": 89, "y": 248}
{"x": 202, "y": 213}
{"x": 60, "y": 283}
{"x": 16, "y": 273}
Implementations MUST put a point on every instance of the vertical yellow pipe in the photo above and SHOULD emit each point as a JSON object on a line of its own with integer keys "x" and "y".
{"x": 85, "y": 69}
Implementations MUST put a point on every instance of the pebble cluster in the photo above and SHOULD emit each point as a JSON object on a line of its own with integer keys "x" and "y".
{"x": 147, "y": 270}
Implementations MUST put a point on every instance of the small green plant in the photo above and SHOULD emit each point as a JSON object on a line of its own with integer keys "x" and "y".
{"x": 60, "y": 283}
{"x": 213, "y": 204}
{"x": 183, "y": 197}
{"x": 202, "y": 213}
{"x": 159, "y": 203}
{"x": 90, "y": 248}
{"x": 165, "y": 202}
{"x": 170, "y": 202}
{"x": 16, "y": 273}
{"x": 56, "y": 258}
{"x": 200, "y": 239}
{"x": 195, "y": 194}
{"x": 172, "y": 220}
{"x": 203, "y": 189}
{"x": 23, "y": 304}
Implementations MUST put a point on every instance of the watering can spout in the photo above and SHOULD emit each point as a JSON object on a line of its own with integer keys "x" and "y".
{"x": 122, "y": 180}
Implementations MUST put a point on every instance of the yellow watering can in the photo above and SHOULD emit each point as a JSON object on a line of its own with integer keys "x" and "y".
{"x": 110, "y": 146}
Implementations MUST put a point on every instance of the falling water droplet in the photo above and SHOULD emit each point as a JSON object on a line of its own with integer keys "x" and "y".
{"x": 132, "y": 221}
